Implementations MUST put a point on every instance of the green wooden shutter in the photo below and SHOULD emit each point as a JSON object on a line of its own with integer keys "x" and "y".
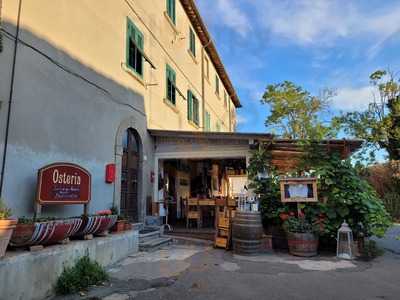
{"x": 192, "y": 42}
{"x": 190, "y": 106}
{"x": 196, "y": 111}
{"x": 171, "y": 10}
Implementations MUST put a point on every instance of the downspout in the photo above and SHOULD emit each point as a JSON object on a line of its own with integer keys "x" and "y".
{"x": 203, "y": 96}
{"x": 229, "y": 114}
{"x": 3, "y": 165}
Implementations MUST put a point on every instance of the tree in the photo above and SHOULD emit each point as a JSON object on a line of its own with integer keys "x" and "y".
{"x": 297, "y": 114}
{"x": 379, "y": 125}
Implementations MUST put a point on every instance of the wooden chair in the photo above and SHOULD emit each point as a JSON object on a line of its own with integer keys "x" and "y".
{"x": 192, "y": 211}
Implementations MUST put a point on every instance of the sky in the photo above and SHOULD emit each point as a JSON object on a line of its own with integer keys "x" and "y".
{"x": 317, "y": 44}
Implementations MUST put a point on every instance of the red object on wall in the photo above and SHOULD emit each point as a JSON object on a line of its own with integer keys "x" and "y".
{"x": 110, "y": 173}
{"x": 63, "y": 183}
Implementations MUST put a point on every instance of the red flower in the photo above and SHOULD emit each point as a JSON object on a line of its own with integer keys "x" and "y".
{"x": 284, "y": 216}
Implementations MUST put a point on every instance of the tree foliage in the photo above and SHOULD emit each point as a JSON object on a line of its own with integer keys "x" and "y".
{"x": 379, "y": 124}
{"x": 297, "y": 114}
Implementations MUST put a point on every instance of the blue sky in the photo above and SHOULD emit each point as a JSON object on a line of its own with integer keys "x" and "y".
{"x": 315, "y": 43}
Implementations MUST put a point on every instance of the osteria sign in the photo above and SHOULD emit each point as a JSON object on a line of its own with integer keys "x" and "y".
{"x": 63, "y": 183}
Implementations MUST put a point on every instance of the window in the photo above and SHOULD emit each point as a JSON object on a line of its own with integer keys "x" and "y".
{"x": 225, "y": 100}
{"x": 217, "y": 85}
{"x": 134, "y": 48}
{"x": 207, "y": 121}
{"x": 207, "y": 67}
{"x": 193, "y": 108}
{"x": 192, "y": 42}
{"x": 171, "y": 10}
{"x": 218, "y": 126}
{"x": 171, "y": 85}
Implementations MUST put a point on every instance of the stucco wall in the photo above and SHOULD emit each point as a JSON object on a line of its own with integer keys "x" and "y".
{"x": 58, "y": 114}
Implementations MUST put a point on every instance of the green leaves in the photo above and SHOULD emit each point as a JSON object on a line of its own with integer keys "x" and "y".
{"x": 297, "y": 114}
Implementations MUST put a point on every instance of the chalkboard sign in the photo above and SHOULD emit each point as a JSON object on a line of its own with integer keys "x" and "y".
{"x": 299, "y": 190}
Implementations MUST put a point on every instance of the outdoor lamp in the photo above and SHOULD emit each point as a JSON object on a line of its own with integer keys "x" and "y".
{"x": 344, "y": 242}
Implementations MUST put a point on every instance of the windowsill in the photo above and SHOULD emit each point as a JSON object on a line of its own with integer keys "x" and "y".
{"x": 171, "y": 23}
{"x": 171, "y": 105}
{"x": 133, "y": 74}
{"x": 193, "y": 124}
{"x": 193, "y": 57}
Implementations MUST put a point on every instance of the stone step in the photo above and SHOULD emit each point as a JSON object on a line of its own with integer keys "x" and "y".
{"x": 148, "y": 235}
{"x": 154, "y": 244}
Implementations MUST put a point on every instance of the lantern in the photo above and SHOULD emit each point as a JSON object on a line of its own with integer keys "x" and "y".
{"x": 344, "y": 242}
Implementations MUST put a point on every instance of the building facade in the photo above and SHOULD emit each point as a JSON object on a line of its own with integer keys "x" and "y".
{"x": 82, "y": 81}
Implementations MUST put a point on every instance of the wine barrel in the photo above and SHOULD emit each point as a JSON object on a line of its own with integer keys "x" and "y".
{"x": 302, "y": 244}
{"x": 247, "y": 232}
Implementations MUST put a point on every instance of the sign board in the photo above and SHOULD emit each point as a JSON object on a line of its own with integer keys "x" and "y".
{"x": 299, "y": 190}
{"x": 63, "y": 183}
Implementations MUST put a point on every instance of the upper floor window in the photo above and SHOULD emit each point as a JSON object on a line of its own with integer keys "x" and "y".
{"x": 207, "y": 67}
{"x": 171, "y": 10}
{"x": 192, "y": 42}
{"x": 134, "y": 48}
{"x": 171, "y": 84}
{"x": 225, "y": 99}
{"x": 218, "y": 126}
{"x": 217, "y": 85}
{"x": 207, "y": 125}
{"x": 193, "y": 108}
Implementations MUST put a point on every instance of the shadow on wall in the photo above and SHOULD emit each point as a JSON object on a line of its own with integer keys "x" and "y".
{"x": 62, "y": 110}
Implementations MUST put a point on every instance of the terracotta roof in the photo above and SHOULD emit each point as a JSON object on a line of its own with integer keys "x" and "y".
{"x": 205, "y": 38}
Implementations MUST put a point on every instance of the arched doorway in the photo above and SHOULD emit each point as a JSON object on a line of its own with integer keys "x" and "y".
{"x": 130, "y": 171}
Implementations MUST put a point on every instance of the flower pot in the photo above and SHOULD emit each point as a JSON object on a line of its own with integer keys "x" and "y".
{"x": 128, "y": 226}
{"x": 6, "y": 229}
{"x": 23, "y": 234}
{"x": 119, "y": 226}
{"x": 58, "y": 233}
{"x": 302, "y": 244}
{"x": 107, "y": 221}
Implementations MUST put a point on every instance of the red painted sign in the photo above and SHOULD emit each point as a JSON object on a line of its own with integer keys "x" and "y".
{"x": 63, "y": 183}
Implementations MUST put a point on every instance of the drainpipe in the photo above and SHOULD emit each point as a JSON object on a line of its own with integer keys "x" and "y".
{"x": 203, "y": 96}
{"x": 3, "y": 165}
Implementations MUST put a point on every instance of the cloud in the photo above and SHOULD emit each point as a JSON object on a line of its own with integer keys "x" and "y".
{"x": 226, "y": 13}
{"x": 240, "y": 119}
{"x": 351, "y": 99}
{"x": 322, "y": 22}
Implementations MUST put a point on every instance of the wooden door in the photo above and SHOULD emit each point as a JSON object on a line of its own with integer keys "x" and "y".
{"x": 130, "y": 176}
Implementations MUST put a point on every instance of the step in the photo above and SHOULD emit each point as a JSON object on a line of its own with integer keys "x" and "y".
{"x": 147, "y": 236}
{"x": 154, "y": 244}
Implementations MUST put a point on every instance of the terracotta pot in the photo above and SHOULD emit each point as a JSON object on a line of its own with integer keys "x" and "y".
{"x": 302, "y": 244}
{"x": 119, "y": 226}
{"x": 23, "y": 234}
{"x": 128, "y": 226}
{"x": 6, "y": 229}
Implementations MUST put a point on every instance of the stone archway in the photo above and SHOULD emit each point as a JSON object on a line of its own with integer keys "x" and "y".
{"x": 128, "y": 185}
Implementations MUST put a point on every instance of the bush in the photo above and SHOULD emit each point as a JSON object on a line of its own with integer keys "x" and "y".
{"x": 5, "y": 212}
{"x": 343, "y": 195}
{"x": 83, "y": 274}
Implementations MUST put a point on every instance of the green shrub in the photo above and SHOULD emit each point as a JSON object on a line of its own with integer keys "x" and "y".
{"x": 343, "y": 195}
{"x": 5, "y": 212}
{"x": 83, "y": 274}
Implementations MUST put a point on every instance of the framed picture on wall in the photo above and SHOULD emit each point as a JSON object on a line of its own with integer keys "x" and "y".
{"x": 299, "y": 190}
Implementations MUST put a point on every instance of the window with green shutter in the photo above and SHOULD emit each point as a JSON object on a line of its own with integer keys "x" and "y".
{"x": 225, "y": 100}
{"x": 134, "y": 48}
{"x": 171, "y": 84}
{"x": 171, "y": 10}
{"x": 207, "y": 121}
{"x": 216, "y": 84}
{"x": 193, "y": 108}
{"x": 192, "y": 42}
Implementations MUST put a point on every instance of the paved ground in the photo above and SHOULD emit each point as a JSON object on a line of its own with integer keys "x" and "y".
{"x": 201, "y": 272}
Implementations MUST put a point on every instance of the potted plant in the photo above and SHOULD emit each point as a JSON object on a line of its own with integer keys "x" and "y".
{"x": 302, "y": 236}
{"x": 120, "y": 224}
{"x": 7, "y": 226}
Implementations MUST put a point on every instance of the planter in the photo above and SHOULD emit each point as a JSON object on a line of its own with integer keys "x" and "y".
{"x": 128, "y": 226}
{"x": 119, "y": 226}
{"x": 6, "y": 229}
{"x": 279, "y": 239}
{"x": 302, "y": 244}
{"x": 95, "y": 225}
